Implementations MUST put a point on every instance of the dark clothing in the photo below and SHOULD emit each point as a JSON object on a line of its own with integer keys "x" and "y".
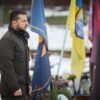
{"x": 96, "y": 85}
{"x": 14, "y": 56}
{"x": 14, "y": 98}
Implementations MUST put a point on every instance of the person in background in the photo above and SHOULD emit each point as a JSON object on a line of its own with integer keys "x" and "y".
{"x": 32, "y": 61}
{"x": 14, "y": 58}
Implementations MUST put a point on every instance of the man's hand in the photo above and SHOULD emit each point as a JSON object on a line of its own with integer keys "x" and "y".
{"x": 18, "y": 92}
{"x": 30, "y": 89}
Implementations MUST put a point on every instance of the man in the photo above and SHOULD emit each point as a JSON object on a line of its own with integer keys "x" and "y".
{"x": 14, "y": 58}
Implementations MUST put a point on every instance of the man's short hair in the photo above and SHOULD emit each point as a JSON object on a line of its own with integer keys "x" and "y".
{"x": 14, "y": 15}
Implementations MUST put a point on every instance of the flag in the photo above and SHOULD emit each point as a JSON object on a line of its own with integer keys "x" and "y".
{"x": 42, "y": 75}
{"x": 90, "y": 35}
{"x": 75, "y": 24}
{"x": 92, "y": 30}
{"x": 97, "y": 15}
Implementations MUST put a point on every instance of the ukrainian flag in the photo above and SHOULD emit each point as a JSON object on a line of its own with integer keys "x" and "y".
{"x": 75, "y": 24}
{"x": 42, "y": 75}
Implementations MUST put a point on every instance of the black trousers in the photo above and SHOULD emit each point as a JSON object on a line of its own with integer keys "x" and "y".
{"x": 23, "y": 97}
{"x": 14, "y": 98}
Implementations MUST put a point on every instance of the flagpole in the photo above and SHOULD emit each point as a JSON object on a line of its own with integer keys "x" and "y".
{"x": 62, "y": 51}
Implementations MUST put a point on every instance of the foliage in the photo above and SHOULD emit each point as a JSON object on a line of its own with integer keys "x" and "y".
{"x": 53, "y": 93}
{"x": 71, "y": 77}
{"x": 65, "y": 92}
{"x": 1, "y": 2}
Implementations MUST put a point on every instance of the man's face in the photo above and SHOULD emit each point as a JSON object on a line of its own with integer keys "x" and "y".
{"x": 22, "y": 22}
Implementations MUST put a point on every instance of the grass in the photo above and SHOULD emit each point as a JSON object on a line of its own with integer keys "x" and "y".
{"x": 58, "y": 20}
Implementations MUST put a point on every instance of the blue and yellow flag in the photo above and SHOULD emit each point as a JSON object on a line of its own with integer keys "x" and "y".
{"x": 42, "y": 75}
{"x": 75, "y": 24}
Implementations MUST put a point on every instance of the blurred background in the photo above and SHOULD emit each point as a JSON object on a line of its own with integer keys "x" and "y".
{"x": 56, "y": 12}
{"x": 6, "y": 7}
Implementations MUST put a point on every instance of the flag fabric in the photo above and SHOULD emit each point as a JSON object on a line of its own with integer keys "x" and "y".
{"x": 42, "y": 74}
{"x": 97, "y": 16}
{"x": 92, "y": 38}
{"x": 38, "y": 19}
{"x": 90, "y": 33}
{"x": 92, "y": 30}
{"x": 75, "y": 24}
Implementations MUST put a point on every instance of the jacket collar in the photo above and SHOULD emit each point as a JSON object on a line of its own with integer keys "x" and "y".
{"x": 20, "y": 33}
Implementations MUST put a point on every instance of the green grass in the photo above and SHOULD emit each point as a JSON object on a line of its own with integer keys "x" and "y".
{"x": 59, "y": 20}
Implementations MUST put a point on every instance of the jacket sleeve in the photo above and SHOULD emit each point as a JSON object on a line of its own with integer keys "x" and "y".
{"x": 7, "y": 62}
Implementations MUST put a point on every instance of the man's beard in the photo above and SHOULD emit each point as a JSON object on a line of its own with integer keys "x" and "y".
{"x": 22, "y": 29}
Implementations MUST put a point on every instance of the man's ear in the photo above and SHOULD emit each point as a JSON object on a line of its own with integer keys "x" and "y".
{"x": 14, "y": 23}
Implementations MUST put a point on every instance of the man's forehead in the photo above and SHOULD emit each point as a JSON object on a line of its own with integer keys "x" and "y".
{"x": 22, "y": 16}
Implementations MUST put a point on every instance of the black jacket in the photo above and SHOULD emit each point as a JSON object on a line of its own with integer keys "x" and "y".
{"x": 14, "y": 57}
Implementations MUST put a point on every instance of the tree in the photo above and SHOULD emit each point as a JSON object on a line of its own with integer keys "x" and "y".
{"x": 1, "y": 12}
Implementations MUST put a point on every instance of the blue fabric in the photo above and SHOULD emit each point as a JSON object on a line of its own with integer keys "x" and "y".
{"x": 79, "y": 28}
{"x": 79, "y": 20}
{"x": 42, "y": 74}
{"x": 38, "y": 19}
{"x": 79, "y": 3}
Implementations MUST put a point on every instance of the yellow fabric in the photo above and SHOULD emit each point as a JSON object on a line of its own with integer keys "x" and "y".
{"x": 71, "y": 17}
{"x": 44, "y": 46}
{"x": 78, "y": 49}
{"x": 40, "y": 39}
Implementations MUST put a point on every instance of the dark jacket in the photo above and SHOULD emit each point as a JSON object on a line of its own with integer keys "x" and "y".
{"x": 14, "y": 58}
